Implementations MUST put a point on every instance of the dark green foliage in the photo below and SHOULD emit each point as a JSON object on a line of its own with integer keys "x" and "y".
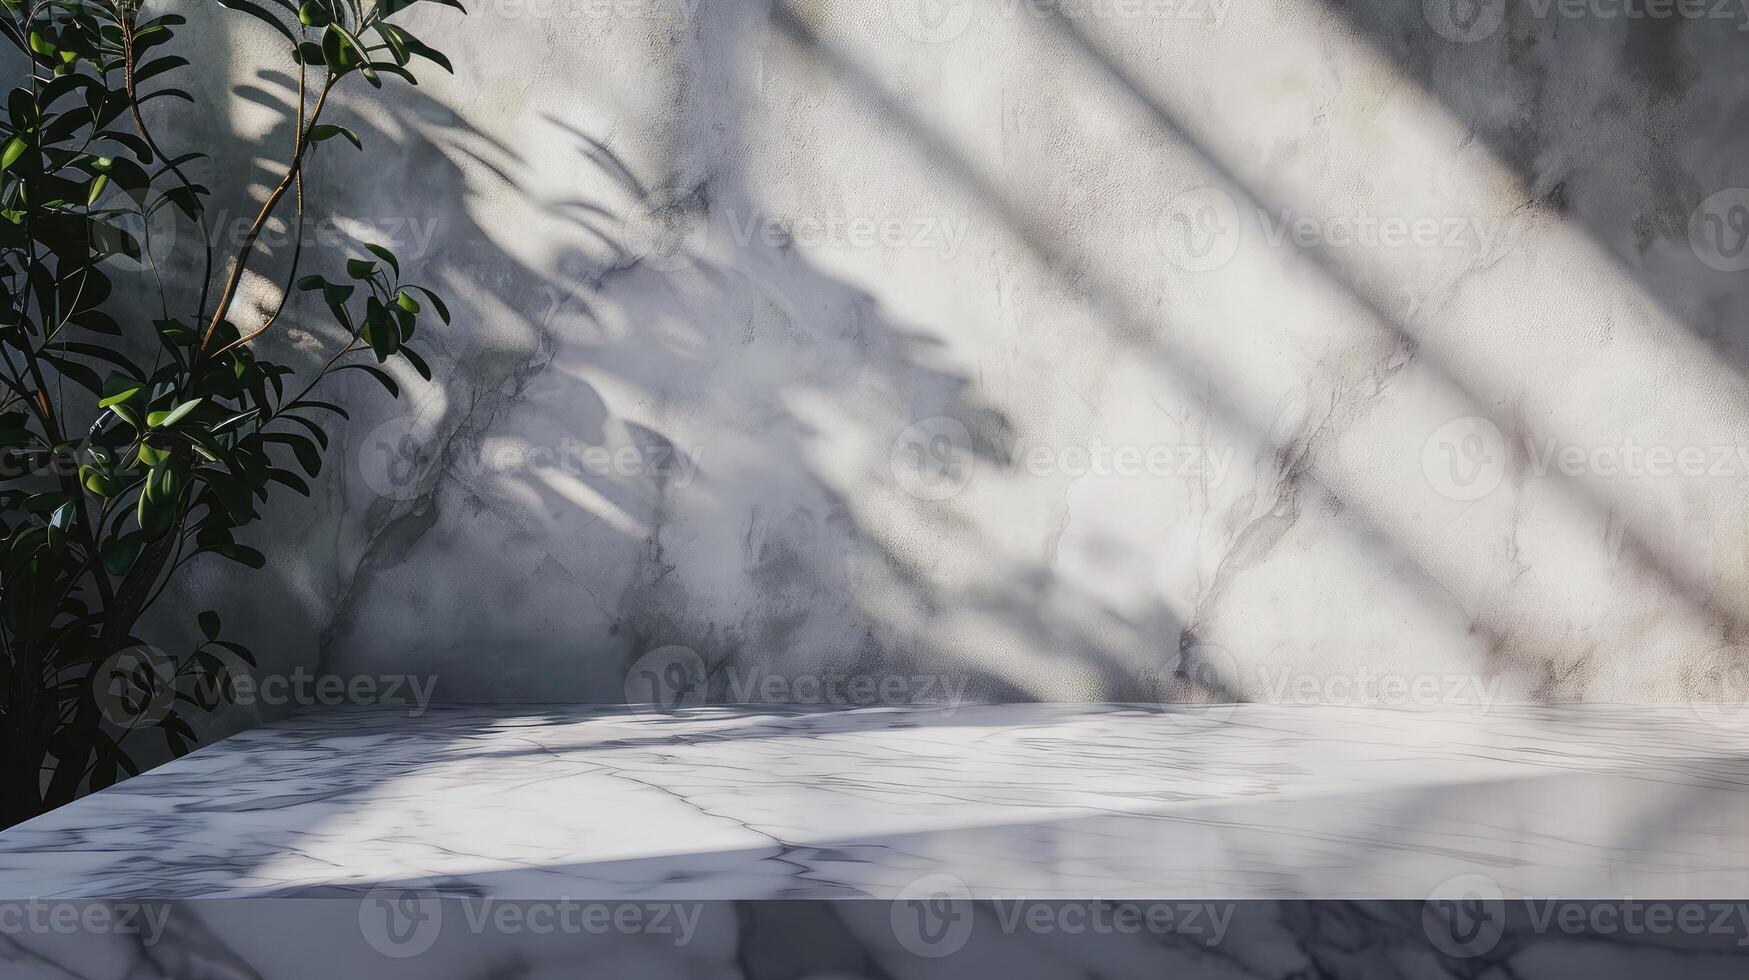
{"x": 132, "y": 445}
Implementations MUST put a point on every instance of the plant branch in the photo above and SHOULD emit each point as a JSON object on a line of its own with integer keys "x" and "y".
{"x": 248, "y": 246}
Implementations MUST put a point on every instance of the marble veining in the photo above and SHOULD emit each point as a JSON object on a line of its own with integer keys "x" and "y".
{"x": 1013, "y": 801}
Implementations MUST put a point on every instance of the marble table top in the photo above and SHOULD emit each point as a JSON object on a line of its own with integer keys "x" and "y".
{"x": 1032, "y": 801}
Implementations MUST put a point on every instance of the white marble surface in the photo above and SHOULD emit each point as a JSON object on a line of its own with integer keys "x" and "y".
{"x": 1033, "y": 801}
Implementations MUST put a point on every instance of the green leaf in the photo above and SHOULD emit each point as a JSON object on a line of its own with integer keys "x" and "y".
{"x": 261, "y": 14}
{"x": 387, "y": 256}
{"x": 119, "y": 554}
{"x": 313, "y": 14}
{"x": 44, "y": 503}
{"x": 242, "y": 555}
{"x": 60, "y": 521}
{"x": 378, "y": 373}
{"x": 436, "y": 303}
{"x": 325, "y": 131}
{"x": 120, "y": 388}
{"x": 290, "y": 479}
{"x": 418, "y": 362}
{"x": 13, "y": 151}
{"x": 99, "y": 484}
{"x": 209, "y": 624}
{"x": 302, "y": 447}
{"x": 406, "y": 302}
{"x": 345, "y": 51}
{"x": 360, "y": 269}
{"x": 159, "y": 420}
{"x": 97, "y": 187}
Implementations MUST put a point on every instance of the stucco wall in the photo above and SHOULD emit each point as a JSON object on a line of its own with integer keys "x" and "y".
{"x": 1189, "y": 349}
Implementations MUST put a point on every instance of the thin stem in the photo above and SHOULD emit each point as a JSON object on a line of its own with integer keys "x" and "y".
{"x": 297, "y": 227}
{"x": 248, "y": 246}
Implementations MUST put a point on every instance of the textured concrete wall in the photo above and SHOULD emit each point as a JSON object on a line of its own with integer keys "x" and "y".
{"x": 1255, "y": 349}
